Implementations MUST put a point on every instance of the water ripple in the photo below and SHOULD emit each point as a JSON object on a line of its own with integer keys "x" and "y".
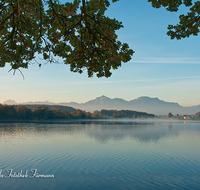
{"x": 107, "y": 155}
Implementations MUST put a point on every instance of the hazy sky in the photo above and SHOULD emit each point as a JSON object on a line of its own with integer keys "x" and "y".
{"x": 161, "y": 67}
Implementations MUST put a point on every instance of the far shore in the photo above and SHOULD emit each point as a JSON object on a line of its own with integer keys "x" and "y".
{"x": 125, "y": 120}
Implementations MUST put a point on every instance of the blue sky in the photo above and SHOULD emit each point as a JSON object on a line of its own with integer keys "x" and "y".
{"x": 161, "y": 67}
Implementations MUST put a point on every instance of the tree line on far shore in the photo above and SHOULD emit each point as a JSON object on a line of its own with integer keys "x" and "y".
{"x": 43, "y": 112}
{"x": 177, "y": 116}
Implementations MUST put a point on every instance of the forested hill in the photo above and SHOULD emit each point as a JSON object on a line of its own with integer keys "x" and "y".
{"x": 43, "y": 112}
{"x": 50, "y": 107}
{"x": 125, "y": 114}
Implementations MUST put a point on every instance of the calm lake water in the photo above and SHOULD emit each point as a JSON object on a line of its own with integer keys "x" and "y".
{"x": 121, "y": 154}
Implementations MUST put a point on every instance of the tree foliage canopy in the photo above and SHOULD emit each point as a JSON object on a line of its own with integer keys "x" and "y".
{"x": 188, "y": 24}
{"x": 78, "y": 32}
{"x": 197, "y": 115}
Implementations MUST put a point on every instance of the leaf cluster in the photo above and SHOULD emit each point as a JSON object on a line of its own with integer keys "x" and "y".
{"x": 78, "y": 32}
{"x": 171, "y": 5}
{"x": 189, "y": 24}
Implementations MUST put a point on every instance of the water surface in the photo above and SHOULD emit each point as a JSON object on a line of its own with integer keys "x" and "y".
{"x": 131, "y": 154}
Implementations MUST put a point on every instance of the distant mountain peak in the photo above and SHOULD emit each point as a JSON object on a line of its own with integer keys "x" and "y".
{"x": 40, "y": 102}
{"x": 142, "y": 97}
{"x": 10, "y": 102}
{"x": 147, "y": 97}
{"x": 143, "y": 104}
{"x": 102, "y": 98}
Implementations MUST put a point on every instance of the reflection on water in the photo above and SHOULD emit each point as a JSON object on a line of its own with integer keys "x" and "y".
{"x": 101, "y": 131}
{"x": 132, "y": 154}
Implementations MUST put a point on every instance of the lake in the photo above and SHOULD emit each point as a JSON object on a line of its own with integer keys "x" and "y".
{"x": 97, "y": 154}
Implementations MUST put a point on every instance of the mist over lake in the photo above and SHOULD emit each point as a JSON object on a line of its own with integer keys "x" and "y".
{"x": 108, "y": 154}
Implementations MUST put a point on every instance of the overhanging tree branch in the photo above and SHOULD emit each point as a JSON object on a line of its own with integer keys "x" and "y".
{"x": 85, "y": 40}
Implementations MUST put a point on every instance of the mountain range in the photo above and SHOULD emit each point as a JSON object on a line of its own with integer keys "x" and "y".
{"x": 142, "y": 104}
